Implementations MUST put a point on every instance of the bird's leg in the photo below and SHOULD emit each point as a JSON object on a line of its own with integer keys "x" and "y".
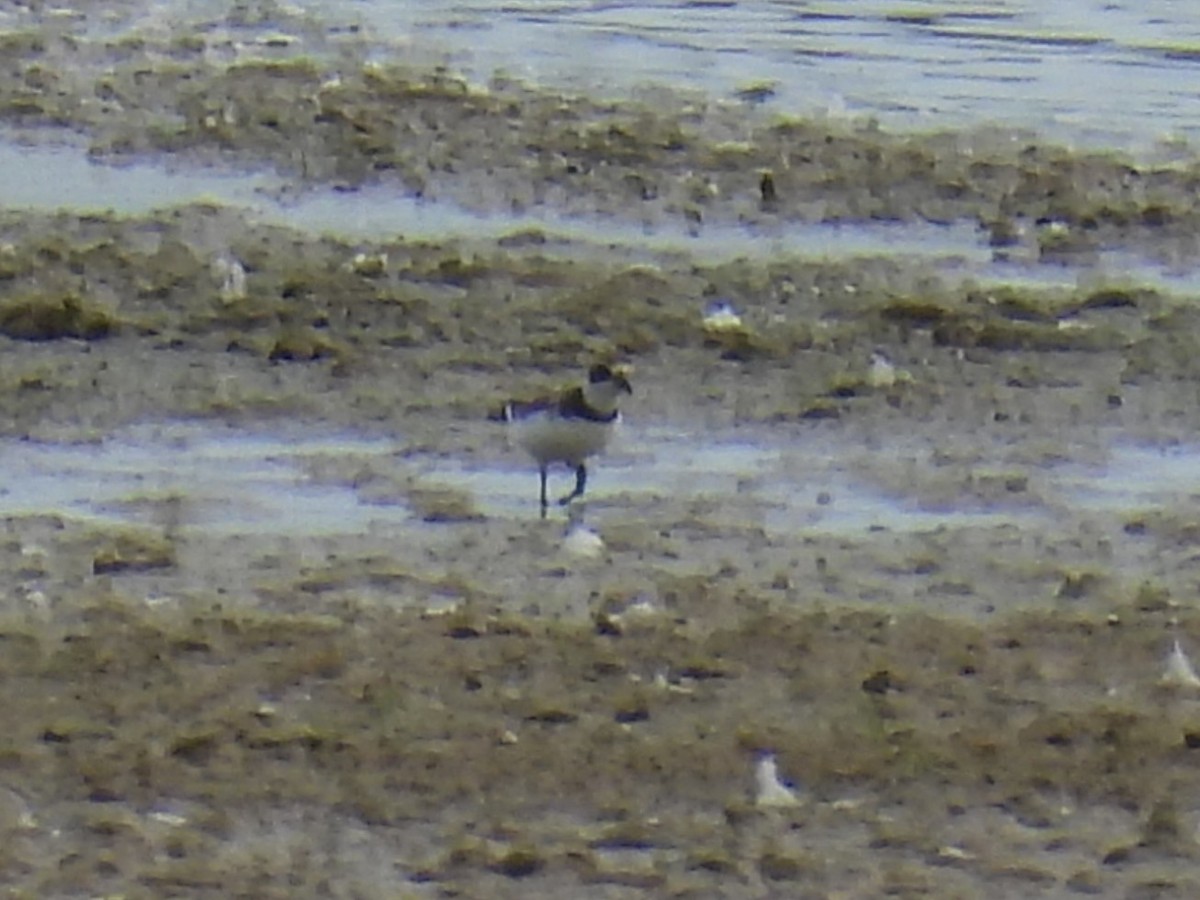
{"x": 580, "y": 484}
{"x": 545, "y": 502}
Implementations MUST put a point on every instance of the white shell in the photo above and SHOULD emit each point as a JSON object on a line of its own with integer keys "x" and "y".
{"x": 583, "y": 543}
{"x": 772, "y": 793}
{"x": 722, "y": 317}
{"x": 1180, "y": 671}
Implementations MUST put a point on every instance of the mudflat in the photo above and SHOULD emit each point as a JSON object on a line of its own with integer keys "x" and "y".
{"x": 467, "y": 703}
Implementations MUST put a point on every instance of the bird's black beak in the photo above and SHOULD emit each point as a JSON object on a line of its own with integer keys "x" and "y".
{"x": 623, "y": 383}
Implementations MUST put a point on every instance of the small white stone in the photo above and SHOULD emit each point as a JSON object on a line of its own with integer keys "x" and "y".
{"x": 721, "y": 316}
{"x": 370, "y": 265}
{"x": 640, "y": 607}
{"x": 232, "y": 275}
{"x": 882, "y": 373}
{"x": 1073, "y": 325}
{"x": 772, "y": 793}
{"x": 441, "y": 605}
{"x": 950, "y": 852}
{"x": 583, "y": 543}
{"x": 1180, "y": 671}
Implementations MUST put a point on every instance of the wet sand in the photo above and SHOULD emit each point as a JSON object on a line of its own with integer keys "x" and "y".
{"x": 965, "y": 686}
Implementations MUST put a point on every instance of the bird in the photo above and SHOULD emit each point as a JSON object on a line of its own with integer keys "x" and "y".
{"x": 569, "y": 427}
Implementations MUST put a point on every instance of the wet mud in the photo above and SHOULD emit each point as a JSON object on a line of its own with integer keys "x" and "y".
{"x": 281, "y": 618}
{"x": 475, "y": 752}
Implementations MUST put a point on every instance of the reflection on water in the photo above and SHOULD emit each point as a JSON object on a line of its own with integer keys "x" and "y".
{"x": 224, "y": 481}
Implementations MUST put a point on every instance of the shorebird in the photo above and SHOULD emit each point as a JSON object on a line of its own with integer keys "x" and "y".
{"x": 569, "y": 427}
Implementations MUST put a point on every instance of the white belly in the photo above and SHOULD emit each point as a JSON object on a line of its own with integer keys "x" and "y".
{"x": 549, "y": 439}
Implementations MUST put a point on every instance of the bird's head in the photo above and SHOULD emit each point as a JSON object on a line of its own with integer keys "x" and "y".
{"x": 604, "y": 387}
{"x": 600, "y": 375}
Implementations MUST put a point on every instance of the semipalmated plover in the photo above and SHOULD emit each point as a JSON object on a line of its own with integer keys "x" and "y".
{"x": 569, "y": 427}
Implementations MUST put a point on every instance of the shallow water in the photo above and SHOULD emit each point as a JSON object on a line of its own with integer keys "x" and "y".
{"x": 226, "y": 482}
{"x": 1135, "y": 477}
{"x": 223, "y": 481}
{"x": 48, "y": 178}
{"x": 57, "y": 177}
{"x": 754, "y": 480}
{"x": 1103, "y": 73}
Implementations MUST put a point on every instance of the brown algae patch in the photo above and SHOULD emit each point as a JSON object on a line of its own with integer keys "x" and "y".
{"x": 131, "y": 550}
{"x": 47, "y": 318}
